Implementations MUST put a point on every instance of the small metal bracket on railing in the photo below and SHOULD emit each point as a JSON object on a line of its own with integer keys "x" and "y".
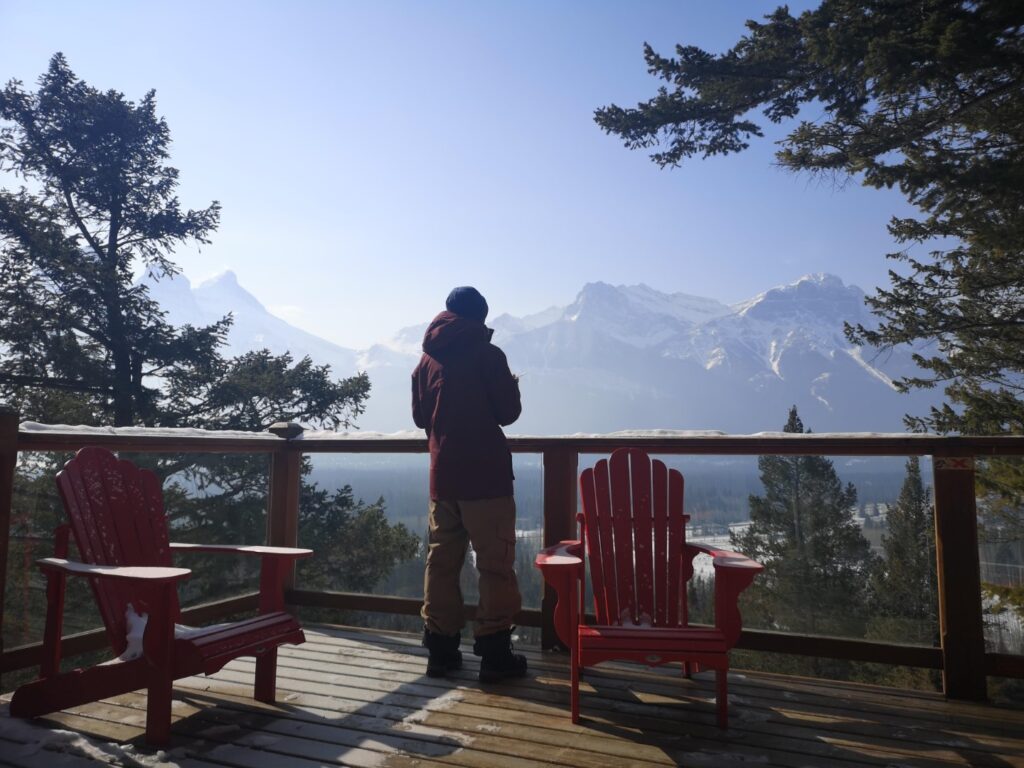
{"x": 286, "y": 429}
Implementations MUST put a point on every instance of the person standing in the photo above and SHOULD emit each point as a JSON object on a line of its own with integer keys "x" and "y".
{"x": 463, "y": 393}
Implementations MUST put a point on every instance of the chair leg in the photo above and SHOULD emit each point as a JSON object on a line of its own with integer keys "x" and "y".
{"x": 158, "y": 707}
{"x": 265, "y": 688}
{"x": 722, "y": 685}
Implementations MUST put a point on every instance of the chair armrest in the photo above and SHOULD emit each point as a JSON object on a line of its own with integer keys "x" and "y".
{"x": 561, "y": 555}
{"x": 562, "y": 567}
{"x": 153, "y": 574}
{"x": 726, "y": 558}
{"x": 734, "y": 572}
{"x": 240, "y": 549}
{"x": 276, "y": 563}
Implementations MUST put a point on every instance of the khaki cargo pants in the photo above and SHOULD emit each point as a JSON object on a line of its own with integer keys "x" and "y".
{"x": 490, "y": 526}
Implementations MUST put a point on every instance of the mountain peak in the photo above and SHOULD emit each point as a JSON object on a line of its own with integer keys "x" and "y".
{"x": 819, "y": 295}
{"x": 224, "y": 290}
{"x": 225, "y": 279}
{"x": 641, "y": 300}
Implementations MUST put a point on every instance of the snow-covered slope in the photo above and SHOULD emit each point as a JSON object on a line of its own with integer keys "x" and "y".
{"x": 629, "y": 357}
{"x": 254, "y": 326}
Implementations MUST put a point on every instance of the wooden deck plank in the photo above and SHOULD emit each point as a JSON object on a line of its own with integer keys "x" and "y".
{"x": 854, "y": 697}
{"x": 671, "y": 725}
{"x": 361, "y": 697}
{"x": 875, "y": 737}
{"x": 824, "y": 710}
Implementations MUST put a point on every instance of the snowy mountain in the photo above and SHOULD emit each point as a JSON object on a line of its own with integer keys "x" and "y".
{"x": 629, "y": 357}
{"x": 254, "y": 327}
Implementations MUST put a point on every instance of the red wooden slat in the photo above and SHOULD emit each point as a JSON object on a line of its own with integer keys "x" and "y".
{"x": 131, "y": 519}
{"x": 622, "y": 525}
{"x": 676, "y": 536}
{"x": 603, "y": 510}
{"x": 71, "y": 486}
{"x": 100, "y": 491}
{"x": 659, "y": 498}
{"x": 109, "y": 509}
{"x": 94, "y": 466}
{"x": 640, "y": 491}
{"x": 147, "y": 515}
{"x": 592, "y": 541}
{"x": 71, "y": 483}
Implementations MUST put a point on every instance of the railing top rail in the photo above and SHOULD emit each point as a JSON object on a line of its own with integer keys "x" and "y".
{"x": 36, "y": 437}
{"x": 690, "y": 442}
{"x": 62, "y": 437}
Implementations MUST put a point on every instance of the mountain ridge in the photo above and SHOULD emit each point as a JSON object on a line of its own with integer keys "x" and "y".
{"x": 627, "y": 357}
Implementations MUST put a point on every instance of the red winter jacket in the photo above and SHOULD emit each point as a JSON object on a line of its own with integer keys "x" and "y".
{"x": 463, "y": 393}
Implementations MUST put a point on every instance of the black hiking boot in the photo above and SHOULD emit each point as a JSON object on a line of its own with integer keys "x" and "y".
{"x": 445, "y": 656}
{"x": 497, "y": 661}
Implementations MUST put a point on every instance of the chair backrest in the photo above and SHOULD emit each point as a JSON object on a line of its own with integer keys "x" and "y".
{"x": 634, "y": 531}
{"x": 116, "y": 514}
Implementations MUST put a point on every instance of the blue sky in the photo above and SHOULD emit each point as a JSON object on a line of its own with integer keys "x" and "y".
{"x": 371, "y": 155}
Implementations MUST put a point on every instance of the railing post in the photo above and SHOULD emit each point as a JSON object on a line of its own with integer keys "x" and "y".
{"x": 560, "y": 465}
{"x": 961, "y": 626}
{"x": 8, "y": 461}
{"x": 283, "y": 495}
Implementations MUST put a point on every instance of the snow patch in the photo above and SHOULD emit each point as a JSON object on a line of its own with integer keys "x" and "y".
{"x": 184, "y": 632}
{"x": 821, "y": 380}
{"x": 175, "y": 432}
{"x": 34, "y": 738}
{"x": 415, "y": 721}
{"x": 136, "y": 628}
{"x": 857, "y": 355}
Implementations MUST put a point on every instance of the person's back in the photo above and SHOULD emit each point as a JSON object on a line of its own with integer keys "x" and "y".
{"x": 462, "y": 394}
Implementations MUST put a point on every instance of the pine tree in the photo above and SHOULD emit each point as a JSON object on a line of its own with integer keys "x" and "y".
{"x": 816, "y": 559}
{"x": 904, "y": 584}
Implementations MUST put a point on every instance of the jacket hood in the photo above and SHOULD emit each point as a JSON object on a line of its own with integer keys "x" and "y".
{"x": 448, "y": 330}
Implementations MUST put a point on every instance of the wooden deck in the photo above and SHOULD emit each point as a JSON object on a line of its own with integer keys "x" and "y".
{"x": 360, "y": 698}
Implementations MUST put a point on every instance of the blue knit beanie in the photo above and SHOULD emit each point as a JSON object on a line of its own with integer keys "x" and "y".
{"x": 466, "y": 301}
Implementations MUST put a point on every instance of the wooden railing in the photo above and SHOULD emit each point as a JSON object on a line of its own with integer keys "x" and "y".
{"x": 961, "y": 656}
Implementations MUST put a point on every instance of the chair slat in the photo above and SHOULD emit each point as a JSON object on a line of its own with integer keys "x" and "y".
{"x": 603, "y": 514}
{"x": 593, "y": 541}
{"x": 676, "y": 538}
{"x": 72, "y": 482}
{"x": 622, "y": 524}
{"x": 643, "y": 523}
{"x": 659, "y": 498}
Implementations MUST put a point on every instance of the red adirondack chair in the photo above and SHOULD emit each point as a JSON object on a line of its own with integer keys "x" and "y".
{"x": 116, "y": 516}
{"x": 633, "y": 534}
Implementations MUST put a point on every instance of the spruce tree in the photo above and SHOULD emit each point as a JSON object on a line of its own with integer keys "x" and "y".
{"x": 816, "y": 559}
{"x": 903, "y": 583}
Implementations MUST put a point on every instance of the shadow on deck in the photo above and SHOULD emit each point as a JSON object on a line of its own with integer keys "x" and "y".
{"x": 361, "y": 698}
